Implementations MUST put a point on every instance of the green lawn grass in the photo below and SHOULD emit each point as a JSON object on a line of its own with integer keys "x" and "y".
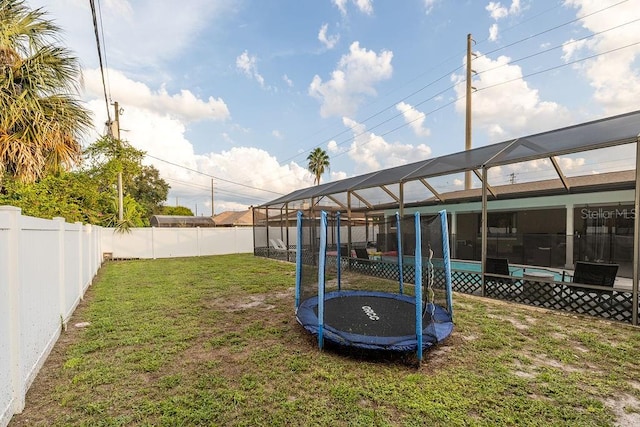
{"x": 214, "y": 341}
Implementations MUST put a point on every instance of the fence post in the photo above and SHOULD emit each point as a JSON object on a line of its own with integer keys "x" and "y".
{"x": 80, "y": 260}
{"x": 15, "y": 328}
{"x": 198, "y": 238}
{"x": 61, "y": 268}
{"x": 88, "y": 254}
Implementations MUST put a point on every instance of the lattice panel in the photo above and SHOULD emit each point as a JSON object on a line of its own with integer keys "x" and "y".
{"x": 468, "y": 283}
{"x": 615, "y": 305}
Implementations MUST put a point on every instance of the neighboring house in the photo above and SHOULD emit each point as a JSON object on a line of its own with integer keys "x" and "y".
{"x": 181, "y": 221}
{"x": 234, "y": 219}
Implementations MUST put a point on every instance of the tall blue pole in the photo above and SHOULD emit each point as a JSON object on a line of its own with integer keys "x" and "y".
{"x": 400, "y": 265}
{"x": 418, "y": 283}
{"x": 339, "y": 260}
{"x": 322, "y": 258}
{"x": 298, "y": 259}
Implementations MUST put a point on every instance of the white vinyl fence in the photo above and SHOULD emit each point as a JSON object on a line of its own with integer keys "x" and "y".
{"x": 177, "y": 242}
{"x": 47, "y": 265}
{"x": 45, "y": 269}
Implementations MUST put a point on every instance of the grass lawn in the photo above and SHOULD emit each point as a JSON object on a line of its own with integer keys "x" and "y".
{"x": 214, "y": 341}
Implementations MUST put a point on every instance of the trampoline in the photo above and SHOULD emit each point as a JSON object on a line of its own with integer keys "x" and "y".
{"x": 404, "y": 318}
{"x": 374, "y": 320}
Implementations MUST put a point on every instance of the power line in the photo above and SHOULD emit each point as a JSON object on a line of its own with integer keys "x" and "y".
{"x": 560, "y": 66}
{"x": 559, "y": 46}
{"x": 95, "y": 29}
{"x": 510, "y": 28}
{"x": 208, "y": 187}
{"x": 548, "y": 30}
{"x": 496, "y": 85}
{"x": 213, "y": 176}
{"x": 106, "y": 64}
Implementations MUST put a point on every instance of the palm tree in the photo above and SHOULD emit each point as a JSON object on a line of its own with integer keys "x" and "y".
{"x": 318, "y": 161}
{"x": 41, "y": 119}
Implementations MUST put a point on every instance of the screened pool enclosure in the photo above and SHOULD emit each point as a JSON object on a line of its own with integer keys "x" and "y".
{"x": 541, "y": 207}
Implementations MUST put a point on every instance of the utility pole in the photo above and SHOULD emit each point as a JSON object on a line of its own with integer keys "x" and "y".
{"x": 467, "y": 133}
{"x": 115, "y": 131}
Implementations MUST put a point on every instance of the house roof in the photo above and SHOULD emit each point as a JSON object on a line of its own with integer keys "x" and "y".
{"x": 233, "y": 218}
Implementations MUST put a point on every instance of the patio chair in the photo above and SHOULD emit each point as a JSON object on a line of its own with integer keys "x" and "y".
{"x": 497, "y": 266}
{"x": 362, "y": 260}
{"x": 281, "y": 245}
{"x": 277, "y": 245}
{"x": 361, "y": 253}
{"x": 494, "y": 284}
{"x": 281, "y": 251}
{"x": 593, "y": 273}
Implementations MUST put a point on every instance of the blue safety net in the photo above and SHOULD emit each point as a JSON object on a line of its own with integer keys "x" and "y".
{"x": 390, "y": 290}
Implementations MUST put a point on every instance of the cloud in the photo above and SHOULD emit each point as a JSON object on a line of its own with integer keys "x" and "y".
{"x": 414, "y": 118}
{"x": 330, "y": 41}
{"x": 371, "y": 152}
{"x": 507, "y": 109}
{"x": 497, "y": 12}
{"x": 128, "y": 25}
{"x": 161, "y": 133}
{"x": 493, "y": 32}
{"x": 248, "y": 65}
{"x": 332, "y": 146}
{"x": 184, "y": 105}
{"x": 614, "y": 75}
{"x": 429, "y": 5}
{"x": 352, "y": 81}
{"x": 287, "y": 80}
{"x": 266, "y": 172}
{"x": 341, "y": 5}
{"x": 364, "y": 6}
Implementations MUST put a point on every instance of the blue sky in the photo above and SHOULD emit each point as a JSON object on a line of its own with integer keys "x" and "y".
{"x": 242, "y": 91}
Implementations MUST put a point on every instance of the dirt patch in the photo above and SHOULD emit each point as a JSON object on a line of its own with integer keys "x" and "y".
{"x": 262, "y": 302}
{"x": 626, "y": 408}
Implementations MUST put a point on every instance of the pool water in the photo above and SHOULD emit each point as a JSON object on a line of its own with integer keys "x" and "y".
{"x": 475, "y": 267}
{"x": 515, "y": 271}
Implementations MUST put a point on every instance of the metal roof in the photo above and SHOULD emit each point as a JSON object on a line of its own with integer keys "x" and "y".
{"x": 602, "y": 133}
{"x": 181, "y": 221}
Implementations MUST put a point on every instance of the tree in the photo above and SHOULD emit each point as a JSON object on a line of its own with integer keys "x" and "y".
{"x": 75, "y": 196}
{"x": 142, "y": 184}
{"x": 148, "y": 189}
{"x": 176, "y": 210}
{"x": 41, "y": 118}
{"x": 318, "y": 161}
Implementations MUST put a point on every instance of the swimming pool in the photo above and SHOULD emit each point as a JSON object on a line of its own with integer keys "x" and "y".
{"x": 475, "y": 267}
{"x": 514, "y": 270}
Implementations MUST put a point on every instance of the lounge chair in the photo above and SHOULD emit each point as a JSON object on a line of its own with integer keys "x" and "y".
{"x": 362, "y": 260}
{"x": 362, "y": 253}
{"x": 281, "y": 245}
{"x": 593, "y": 273}
{"x": 277, "y": 245}
{"x": 497, "y": 285}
